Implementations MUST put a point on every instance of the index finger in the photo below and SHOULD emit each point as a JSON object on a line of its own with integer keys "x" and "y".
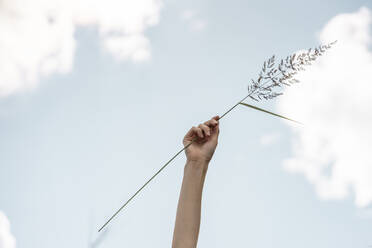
{"x": 212, "y": 122}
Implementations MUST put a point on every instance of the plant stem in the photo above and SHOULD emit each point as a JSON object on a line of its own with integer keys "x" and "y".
{"x": 184, "y": 148}
{"x": 165, "y": 165}
{"x": 228, "y": 111}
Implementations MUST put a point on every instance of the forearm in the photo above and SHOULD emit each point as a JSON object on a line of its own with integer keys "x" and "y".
{"x": 187, "y": 225}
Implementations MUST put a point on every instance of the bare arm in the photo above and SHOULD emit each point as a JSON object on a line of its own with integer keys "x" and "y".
{"x": 198, "y": 155}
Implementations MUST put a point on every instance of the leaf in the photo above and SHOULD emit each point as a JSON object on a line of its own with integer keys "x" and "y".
{"x": 265, "y": 111}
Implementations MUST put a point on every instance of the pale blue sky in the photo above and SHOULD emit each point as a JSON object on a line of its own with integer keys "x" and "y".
{"x": 74, "y": 149}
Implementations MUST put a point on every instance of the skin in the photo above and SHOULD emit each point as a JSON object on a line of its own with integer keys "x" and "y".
{"x": 199, "y": 154}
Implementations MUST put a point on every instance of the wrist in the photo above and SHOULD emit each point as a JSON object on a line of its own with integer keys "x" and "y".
{"x": 197, "y": 165}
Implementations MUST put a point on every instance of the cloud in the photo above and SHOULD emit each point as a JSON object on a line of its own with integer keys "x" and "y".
{"x": 6, "y": 238}
{"x": 37, "y": 37}
{"x": 269, "y": 139}
{"x": 334, "y": 100}
{"x": 194, "y": 22}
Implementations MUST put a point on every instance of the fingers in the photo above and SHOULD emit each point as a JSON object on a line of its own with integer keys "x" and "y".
{"x": 214, "y": 125}
{"x": 206, "y": 129}
{"x": 216, "y": 130}
{"x": 198, "y": 131}
{"x": 212, "y": 122}
{"x": 211, "y": 127}
{"x": 194, "y": 131}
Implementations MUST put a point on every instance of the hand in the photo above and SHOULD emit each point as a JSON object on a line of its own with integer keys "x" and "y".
{"x": 206, "y": 139}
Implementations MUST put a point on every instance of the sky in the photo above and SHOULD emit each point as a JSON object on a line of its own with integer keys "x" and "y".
{"x": 96, "y": 95}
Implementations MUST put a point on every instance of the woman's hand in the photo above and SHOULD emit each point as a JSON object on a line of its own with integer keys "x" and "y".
{"x": 206, "y": 139}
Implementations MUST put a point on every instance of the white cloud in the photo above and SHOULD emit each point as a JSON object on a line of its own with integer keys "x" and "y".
{"x": 6, "y": 238}
{"x": 269, "y": 139}
{"x": 334, "y": 100}
{"x": 194, "y": 22}
{"x": 37, "y": 37}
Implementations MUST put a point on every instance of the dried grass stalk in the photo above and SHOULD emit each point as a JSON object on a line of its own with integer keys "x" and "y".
{"x": 271, "y": 78}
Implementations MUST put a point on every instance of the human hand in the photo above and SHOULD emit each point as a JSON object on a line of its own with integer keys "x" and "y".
{"x": 206, "y": 139}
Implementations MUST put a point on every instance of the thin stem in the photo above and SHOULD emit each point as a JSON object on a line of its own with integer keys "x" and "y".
{"x": 228, "y": 111}
{"x": 170, "y": 160}
{"x": 163, "y": 167}
{"x": 148, "y": 181}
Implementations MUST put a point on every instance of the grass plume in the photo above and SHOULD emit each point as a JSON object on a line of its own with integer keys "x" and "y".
{"x": 271, "y": 79}
{"x": 274, "y": 76}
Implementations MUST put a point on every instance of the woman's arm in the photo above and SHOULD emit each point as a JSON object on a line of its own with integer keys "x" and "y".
{"x": 198, "y": 155}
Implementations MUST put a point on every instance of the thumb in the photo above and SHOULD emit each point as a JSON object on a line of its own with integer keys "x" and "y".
{"x": 215, "y": 132}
